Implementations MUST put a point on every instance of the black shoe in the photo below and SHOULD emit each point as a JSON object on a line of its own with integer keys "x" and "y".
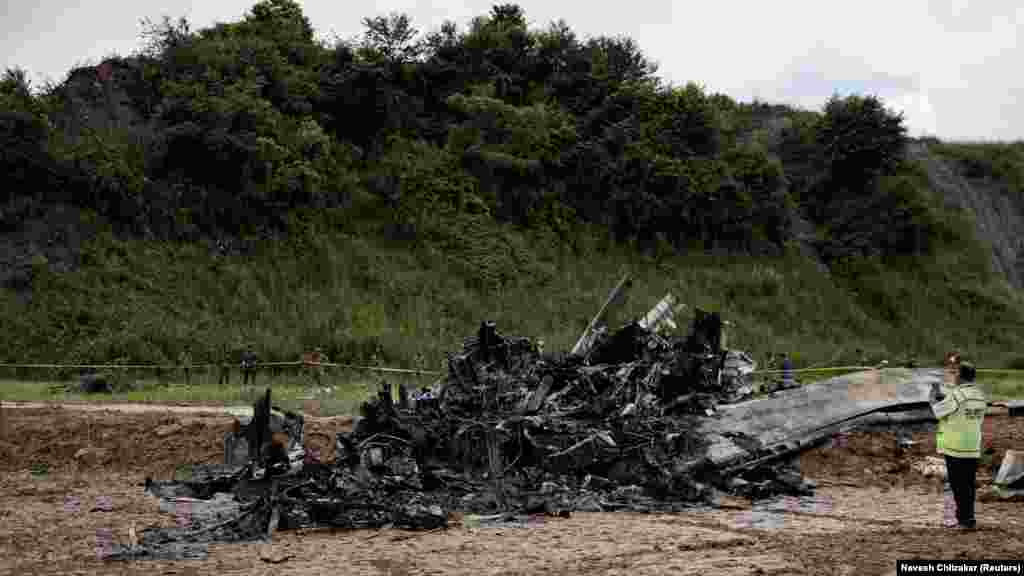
{"x": 972, "y": 525}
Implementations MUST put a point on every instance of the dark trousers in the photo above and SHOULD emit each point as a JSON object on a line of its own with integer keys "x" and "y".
{"x": 962, "y": 473}
{"x": 248, "y": 376}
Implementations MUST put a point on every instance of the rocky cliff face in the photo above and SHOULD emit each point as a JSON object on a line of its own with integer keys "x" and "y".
{"x": 93, "y": 103}
{"x": 47, "y": 236}
{"x": 999, "y": 217}
{"x": 34, "y": 234}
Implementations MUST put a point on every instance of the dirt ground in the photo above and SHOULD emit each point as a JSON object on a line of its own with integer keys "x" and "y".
{"x": 73, "y": 479}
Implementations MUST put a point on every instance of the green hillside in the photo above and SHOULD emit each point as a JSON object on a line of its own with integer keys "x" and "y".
{"x": 381, "y": 198}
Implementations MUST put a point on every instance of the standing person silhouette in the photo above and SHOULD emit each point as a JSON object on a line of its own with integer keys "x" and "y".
{"x": 960, "y": 411}
{"x": 224, "y": 370}
{"x": 248, "y": 366}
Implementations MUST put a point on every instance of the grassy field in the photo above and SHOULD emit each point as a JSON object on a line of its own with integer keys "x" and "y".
{"x": 339, "y": 395}
{"x": 349, "y": 390}
{"x": 999, "y": 385}
{"x": 1006, "y": 386}
{"x": 366, "y": 299}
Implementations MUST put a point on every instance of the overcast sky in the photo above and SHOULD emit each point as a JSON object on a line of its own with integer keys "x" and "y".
{"x": 954, "y": 69}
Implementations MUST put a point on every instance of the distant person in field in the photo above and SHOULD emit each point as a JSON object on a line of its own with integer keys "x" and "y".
{"x": 248, "y": 366}
{"x": 185, "y": 361}
{"x": 787, "y": 371}
{"x": 960, "y": 411}
{"x": 224, "y": 370}
{"x": 788, "y": 380}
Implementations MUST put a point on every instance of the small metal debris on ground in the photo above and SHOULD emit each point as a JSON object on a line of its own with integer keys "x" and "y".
{"x": 1009, "y": 480}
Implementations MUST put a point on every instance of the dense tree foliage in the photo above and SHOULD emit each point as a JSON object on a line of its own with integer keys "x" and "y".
{"x": 535, "y": 127}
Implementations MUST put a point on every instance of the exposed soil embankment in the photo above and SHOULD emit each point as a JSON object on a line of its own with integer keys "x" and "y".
{"x": 999, "y": 218}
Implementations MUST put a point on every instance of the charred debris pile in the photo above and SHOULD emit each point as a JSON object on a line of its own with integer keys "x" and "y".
{"x": 509, "y": 431}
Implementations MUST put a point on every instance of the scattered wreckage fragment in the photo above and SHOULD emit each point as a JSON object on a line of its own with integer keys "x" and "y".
{"x": 271, "y": 438}
{"x": 1009, "y": 480}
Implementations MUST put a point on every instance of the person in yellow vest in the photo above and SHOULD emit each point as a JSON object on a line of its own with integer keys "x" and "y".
{"x": 960, "y": 414}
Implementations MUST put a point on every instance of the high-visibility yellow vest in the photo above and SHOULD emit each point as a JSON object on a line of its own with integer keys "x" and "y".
{"x": 960, "y": 417}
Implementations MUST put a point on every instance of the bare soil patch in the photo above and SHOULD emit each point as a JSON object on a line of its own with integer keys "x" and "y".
{"x": 870, "y": 509}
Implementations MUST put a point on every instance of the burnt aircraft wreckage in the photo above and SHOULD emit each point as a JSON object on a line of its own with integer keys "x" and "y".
{"x": 632, "y": 419}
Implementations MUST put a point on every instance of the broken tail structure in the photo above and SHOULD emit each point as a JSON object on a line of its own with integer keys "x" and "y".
{"x": 615, "y": 299}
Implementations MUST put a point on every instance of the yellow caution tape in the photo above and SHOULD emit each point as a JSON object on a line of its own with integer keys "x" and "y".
{"x": 196, "y": 366}
{"x": 805, "y": 370}
{"x": 414, "y": 371}
{"x": 998, "y": 371}
{"x": 381, "y": 368}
